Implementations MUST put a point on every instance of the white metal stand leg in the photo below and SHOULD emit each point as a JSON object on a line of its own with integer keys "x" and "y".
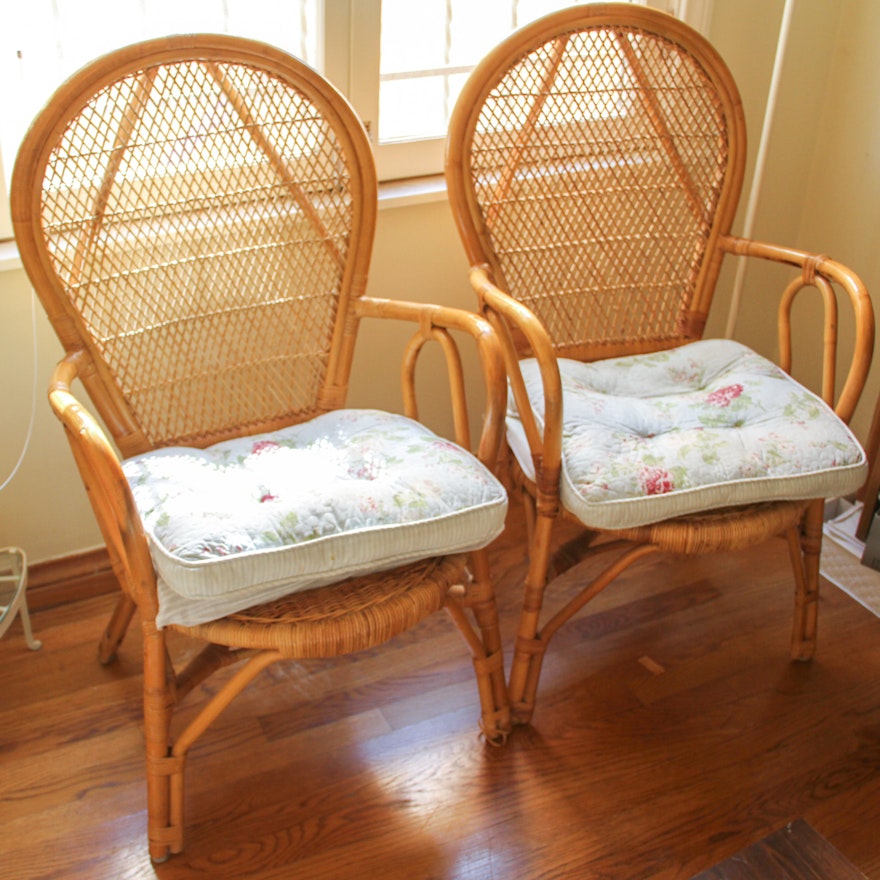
{"x": 13, "y": 583}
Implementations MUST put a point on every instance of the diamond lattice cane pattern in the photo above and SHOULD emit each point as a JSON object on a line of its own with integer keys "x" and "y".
{"x": 598, "y": 161}
{"x": 203, "y": 235}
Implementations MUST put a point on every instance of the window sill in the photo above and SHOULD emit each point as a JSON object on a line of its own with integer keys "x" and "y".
{"x": 392, "y": 194}
{"x": 412, "y": 191}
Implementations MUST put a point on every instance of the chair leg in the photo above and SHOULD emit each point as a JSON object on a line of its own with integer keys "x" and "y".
{"x": 158, "y": 708}
{"x": 805, "y": 548}
{"x": 116, "y": 629}
{"x": 486, "y": 648}
{"x": 533, "y": 636}
{"x": 171, "y": 766}
{"x": 166, "y": 763}
{"x": 530, "y": 515}
{"x": 529, "y": 648}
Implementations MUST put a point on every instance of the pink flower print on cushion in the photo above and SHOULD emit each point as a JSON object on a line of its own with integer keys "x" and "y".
{"x": 441, "y": 443}
{"x": 655, "y": 481}
{"x": 723, "y": 396}
{"x": 369, "y": 505}
{"x": 264, "y": 446}
{"x": 365, "y": 468}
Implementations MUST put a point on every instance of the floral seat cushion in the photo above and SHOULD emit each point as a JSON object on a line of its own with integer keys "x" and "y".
{"x": 350, "y": 492}
{"x": 707, "y": 425}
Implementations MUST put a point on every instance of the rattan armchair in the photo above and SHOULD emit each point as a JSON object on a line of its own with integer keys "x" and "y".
{"x": 594, "y": 163}
{"x": 196, "y": 215}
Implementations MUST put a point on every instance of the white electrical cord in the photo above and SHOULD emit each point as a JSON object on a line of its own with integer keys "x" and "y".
{"x": 755, "y": 191}
{"x": 27, "y": 439}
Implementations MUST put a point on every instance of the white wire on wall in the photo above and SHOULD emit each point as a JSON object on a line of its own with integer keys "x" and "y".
{"x": 30, "y": 428}
{"x": 760, "y": 161}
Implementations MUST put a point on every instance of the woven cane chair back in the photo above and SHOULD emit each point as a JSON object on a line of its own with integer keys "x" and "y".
{"x": 601, "y": 162}
{"x": 202, "y": 226}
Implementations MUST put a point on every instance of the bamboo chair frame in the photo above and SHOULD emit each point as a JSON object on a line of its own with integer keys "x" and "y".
{"x": 528, "y": 64}
{"x": 358, "y": 613}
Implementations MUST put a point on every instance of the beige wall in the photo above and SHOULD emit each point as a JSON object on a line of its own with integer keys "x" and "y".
{"x": 417, "y": 256}
{"x": 820, "y": 191}
{"x": 821, "y": 181}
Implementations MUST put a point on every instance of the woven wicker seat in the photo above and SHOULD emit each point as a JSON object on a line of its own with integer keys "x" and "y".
{"x": 196, "y": 215}
{"x": 594, "y": 163}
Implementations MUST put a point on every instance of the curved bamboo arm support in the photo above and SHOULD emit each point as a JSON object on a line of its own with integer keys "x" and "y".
{"x": 829, "y": 336}
{"x": 546, "y": 444}
{"x": 821, "y": 272}
{"x": 434, "y": 322}
{"x": 454, "y": 371}
{"x": 107, "y": 488}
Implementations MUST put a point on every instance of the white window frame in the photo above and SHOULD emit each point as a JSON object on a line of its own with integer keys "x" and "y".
{"x": 351, "y": 61}
{"x": 350, "y": 41}
{"x": 5, "y": 216}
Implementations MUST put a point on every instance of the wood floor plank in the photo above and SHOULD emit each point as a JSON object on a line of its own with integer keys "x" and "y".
{"x": 671, "y": 732}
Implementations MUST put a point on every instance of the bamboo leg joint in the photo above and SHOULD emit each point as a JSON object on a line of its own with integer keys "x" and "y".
{"x": 167, "y": 765}
{"x": 490, "y": 664}
{"x": 532, "y": 647}
{"x": 164, "y": 835}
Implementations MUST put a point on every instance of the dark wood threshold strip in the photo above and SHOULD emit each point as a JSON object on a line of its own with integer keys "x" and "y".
{"x": 796, "y": 852}
{"x": 70, "y": 578}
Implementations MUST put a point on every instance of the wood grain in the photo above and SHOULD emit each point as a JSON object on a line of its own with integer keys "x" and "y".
{"x": 362, "y": 768}
{"x": 70, "y": 578}
{"x": 795, "y": 852}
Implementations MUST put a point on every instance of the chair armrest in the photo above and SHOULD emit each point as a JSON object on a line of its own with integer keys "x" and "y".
{"x": 108, "y": 490}
{"x": 821, "y": 272}
{"x": 545, "y": 443}
{"x": 434, "y": 322}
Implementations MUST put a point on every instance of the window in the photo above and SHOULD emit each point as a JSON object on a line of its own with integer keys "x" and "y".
{"x": 409, "y": 60}
{"x": 401, "y": 63}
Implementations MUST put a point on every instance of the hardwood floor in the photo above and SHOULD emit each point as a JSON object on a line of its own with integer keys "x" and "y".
{"x": 671, "y": 731}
